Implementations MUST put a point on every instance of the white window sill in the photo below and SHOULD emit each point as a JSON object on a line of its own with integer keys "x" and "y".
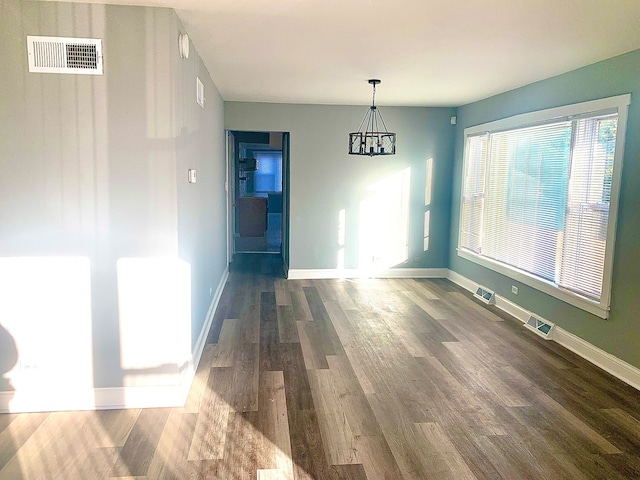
{"x": 566, "y": 296}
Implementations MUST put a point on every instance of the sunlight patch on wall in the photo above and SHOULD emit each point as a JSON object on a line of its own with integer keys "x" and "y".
{"x": 428, "y": 188}
{"x": 384, "y": 222}
{"x": 45, "y": 308}
{"x": 427, "y": 227}
{"x": 428, "y": 180}
{"x": 341, "y": 238}
{"x": 154, "y": 302}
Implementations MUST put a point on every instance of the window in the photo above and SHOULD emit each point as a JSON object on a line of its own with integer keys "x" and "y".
{"x": 539, "y": 198}
{"x": 268, "y": 176}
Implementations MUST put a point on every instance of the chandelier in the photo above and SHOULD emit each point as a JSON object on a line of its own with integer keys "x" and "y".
{"x": 372, "y": 140}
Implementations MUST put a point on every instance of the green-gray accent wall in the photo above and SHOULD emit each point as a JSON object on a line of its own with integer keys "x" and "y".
{"x": 325, "y": 179}
{"x": 620, "y": 333}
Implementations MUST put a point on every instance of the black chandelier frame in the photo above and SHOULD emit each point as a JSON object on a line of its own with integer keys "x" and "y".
{"x": 373, "y": 140}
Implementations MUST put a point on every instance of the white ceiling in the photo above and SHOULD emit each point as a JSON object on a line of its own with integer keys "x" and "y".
{"x": 427, "y": 52}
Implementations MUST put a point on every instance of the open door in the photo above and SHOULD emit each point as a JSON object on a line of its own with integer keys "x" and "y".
{"x": 286, "y": 161}
{"x": 258, "y": 180}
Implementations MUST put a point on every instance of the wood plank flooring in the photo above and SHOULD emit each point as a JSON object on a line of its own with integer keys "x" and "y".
{"x": 352, "y": 379}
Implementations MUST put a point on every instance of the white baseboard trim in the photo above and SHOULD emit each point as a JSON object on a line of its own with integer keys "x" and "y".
{"x": 328, "y": 273}
{"x": 595, "y": 355}
{"x": 502, "y": 303}
{"x": 461, "y": 280}
{"x": 44, "y": 400}
{"x": 189, "y": 374}
{"x": 202, "y": 338}
{"x": 609, "y": 363}
{"x": 512, "y": 309}
{"x": 151, "y": 396}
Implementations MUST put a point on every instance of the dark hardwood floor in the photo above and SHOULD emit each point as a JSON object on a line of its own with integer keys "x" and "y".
{"x": 352, "y": 379}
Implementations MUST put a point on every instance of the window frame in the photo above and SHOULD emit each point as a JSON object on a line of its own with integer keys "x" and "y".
{"x": 617, "y": 104}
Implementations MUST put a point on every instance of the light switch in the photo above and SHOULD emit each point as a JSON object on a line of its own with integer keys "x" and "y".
{"x": 192, "y": 176}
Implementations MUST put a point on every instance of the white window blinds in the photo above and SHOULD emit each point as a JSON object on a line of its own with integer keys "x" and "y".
{"x": 537, "y": 198}
{"x": 526, "y": 197}
{"x": 473, "y": 195}
{"x": 587, "y": 205}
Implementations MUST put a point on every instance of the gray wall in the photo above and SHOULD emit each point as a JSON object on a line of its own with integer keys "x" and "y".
{"x": 202, "y": 207}
{"x": 325, "y": 179}
{"x": 620, "y": 334}
{"x": 95, "y": 167}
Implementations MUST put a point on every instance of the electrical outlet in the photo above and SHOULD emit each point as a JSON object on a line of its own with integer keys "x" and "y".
{"x": 514, "y": 289}
{"x": 29, "y": 367}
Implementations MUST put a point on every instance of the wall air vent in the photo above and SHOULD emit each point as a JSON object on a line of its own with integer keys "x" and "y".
{"x": 79, "y": 56}
{"x": 539, "y": 326}
{"x": 485, "y": 295}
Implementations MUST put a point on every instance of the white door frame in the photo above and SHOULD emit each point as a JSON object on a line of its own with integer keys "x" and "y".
{"x": 230, "y": 189}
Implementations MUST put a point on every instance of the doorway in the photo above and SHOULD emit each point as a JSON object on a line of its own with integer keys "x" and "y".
{"x": 258, "y": 191}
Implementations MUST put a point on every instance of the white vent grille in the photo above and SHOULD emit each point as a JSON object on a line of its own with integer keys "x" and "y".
{"x": 539, "y": 326}
{"x": 485, "y": 295}
{"x": 79, "y": 56}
